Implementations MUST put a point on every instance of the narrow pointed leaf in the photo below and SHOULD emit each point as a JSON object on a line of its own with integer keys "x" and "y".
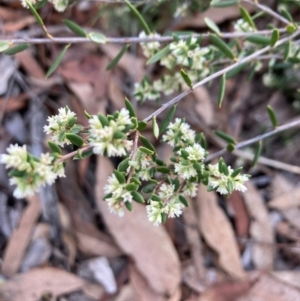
{"x": 148, "y": 144}
{"x": 212, "y": 25}
{"x": 274, "y": 37}
{"x": 54, "y": 147}
{"x": 286, "y": 14}
{"x": 116, "y": 60}
{"x": 75, "y": 28}
{"x": 120, "y": 176}
{"x": 186, "y": 78}
{"x": 225, "y": 137}
{"x": 236, "y": 172}
{"x": 257, "y": 152}
{"x": 159, "y": 55}
{"x": 146, "y": 150}
{"x": 233, "y": 72}
{"x": 128, "y": 206}
{"x": 97, "y": 37}
{"x": 259, "y": 40}
{"x": 139, "y": 17}
{"x": 74, "y": 139}
{"x": 222, "y": 90}
{"x": 222, "y": 46}
{"x": 163, "y": 217}
{"x": 223, "y": 3}
{"x": 137, "y": 197}
{"x": 141, "y": 125}
{"x": 123, "y": 165}
{"x": 129, "y": 107}
{"x": 15, "y": 49}
{"x": 272, "y": 116}
{"x": 167, "y": 120}
{"x": 103, "y": 119}
{"x": 183, "y": 200}
{"x": 155, "y": 127}
{"x": 57, "y": 61}
{"x": 247, "y": 17}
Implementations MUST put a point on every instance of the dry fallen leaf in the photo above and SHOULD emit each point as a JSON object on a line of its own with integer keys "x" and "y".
{"x": 218, "y": 233}
{"x": 268, "y": 288}
{"x": 20, "y": 239}
{"x": 260, "y": 229}
{"x": 150, "y": 247}
{"x": 32, "y": 285}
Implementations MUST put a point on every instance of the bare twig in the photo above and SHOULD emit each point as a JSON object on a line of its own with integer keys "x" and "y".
{"x": 279, "y": 129}
{"x": 268, "y": 11}
{"x": 130, "y": 40}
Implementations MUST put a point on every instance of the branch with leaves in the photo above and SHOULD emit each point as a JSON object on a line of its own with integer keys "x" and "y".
{"x": 142, "y": 176}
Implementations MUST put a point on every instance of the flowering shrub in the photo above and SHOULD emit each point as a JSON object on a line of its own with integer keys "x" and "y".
{"x": 188, "y": 61}
{"x": 141, "y": 174}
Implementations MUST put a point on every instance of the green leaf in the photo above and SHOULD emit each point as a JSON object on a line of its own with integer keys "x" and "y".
{"x": 128, "y": 205}
{"x": 87, "y": 115}
{"x": 223, "y": 3}
{"x": 141, "y": 125}
{"x": 236, "y": 172}
{"x": 163, "y": 169}
{"x": 155, "y": 198}
{"x": 272, "y": 116}
{"x": 155, "y": 127}
{"x": 147, "y": 143}
{"x": 57, "y": 61}
{"x": 186, "y": 78}
{"x": 131, "y": 187}
{"x": 259, "y": 40}
{"x": 257, "y": 152}
{"x": 225, "y": 137}
{"x": 247, "y": 17}
{"x": 15, "y": 49}
{"x": 223, "y": 47}
{"x": 159, "y": 55}
{"x": 75, "y": 139}
{"x": 123, "y": 165}
{"x": 222, "y": 90}
{"x": 72, "y": 121}
{"x": 97, "y": 37}
{"x": 183, "y": 200}
{"x": 17, "y": 173}
{"x": 116, "y": 60}
{"x": 203, "y": 141}
{"x": 54, "y": 147}
{"x": 83, "y": 154}
{"x": 107, "y": 196}
{"x": 212, "y": 25}
{"x": 286, "y": 14}
{"x": 148, "y": 188}
{"x": 4, "y": 45}
{"x": 274, "y": 37}
{"x": 167, "y": 119}
{"x": 76, "y": 128}
{"x": 230, "y": 147}
{"x": 119, "y": 135}
{"x": 163, "y": 217}
{"x": 134, "y": 123}
{"x": 120, "y": 176}
{"x": 75, "y": 28}
{"x": 233, "y": 72}
{"x": 137, "y": 197}
{"x": 37, "y": 17}
{"x": 40, "y": 4}
{"x": 129, "y": 107}
{"x": 146, "y": 150}
{"x": 103, "y": 120}
{"x": 229, "y": 186}
{"x": 139, "y": 17}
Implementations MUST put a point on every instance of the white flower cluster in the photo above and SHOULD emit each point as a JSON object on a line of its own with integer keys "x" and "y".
{"x": 179, "y": 134}
{"x": 107, "y": 136}
{"x": 149, "y": 48}
{"x": 118, "y": 195}
{"x": 143, "y": 165}
{"x": 242, "y": 26}
{"x": 61, "y": 124}
{"x": 170, "y": 206}
{"x": 29, "y": 173}
{"x": 225, "y": 184}
{"x": 59, "y": 5}
{"x": 182, "y": 53}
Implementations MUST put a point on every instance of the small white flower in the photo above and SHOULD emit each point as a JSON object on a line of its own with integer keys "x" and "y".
{"x": 185, "y": 171}
{"x": 154, "y": 212}
{"x": 127, "y": 197}
{"x": 174, "y": 208}
{"x": 196, "y": 152}
{"x": 16, "y": 158}
{"x": 149, "y": 48}
{"x": 166, "y": 191}
{"x": 190, "y": 189}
